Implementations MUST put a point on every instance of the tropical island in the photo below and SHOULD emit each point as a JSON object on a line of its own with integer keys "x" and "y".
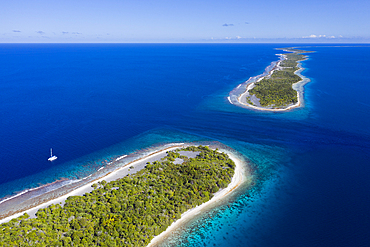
{"x": 132, "y": 210}
{"x": 279, "y": 90}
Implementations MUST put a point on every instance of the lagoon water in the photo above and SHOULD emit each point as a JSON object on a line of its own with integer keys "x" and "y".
{"x": 94, "y": 102}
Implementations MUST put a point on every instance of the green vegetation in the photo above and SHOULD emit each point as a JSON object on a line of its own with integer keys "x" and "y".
{"x": 249, "y": 101}
{"x": 276, "y": 91}
{"x": 129, "y": 211}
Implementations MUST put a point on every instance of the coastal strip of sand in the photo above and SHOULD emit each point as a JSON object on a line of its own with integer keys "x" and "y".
{"x": 298, "y": 86}
{"x": 128, "y": 168}
{"x": 238, "y": 179}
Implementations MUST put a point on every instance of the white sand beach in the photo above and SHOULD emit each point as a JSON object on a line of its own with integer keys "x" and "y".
{"x": 296, "y": 86}
{"x": 238, "y": 179}
{"x": 119, "y": 173}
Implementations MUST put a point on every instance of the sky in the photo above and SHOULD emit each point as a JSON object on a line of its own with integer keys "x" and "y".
{"x": 175, "y": 21}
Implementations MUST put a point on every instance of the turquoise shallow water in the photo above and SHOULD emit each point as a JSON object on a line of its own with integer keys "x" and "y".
{"x": 92, "y": 103}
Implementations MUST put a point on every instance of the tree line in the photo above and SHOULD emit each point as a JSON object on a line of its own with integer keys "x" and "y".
{"x": 129, "y": 211}
{"x": 276, "y": 90}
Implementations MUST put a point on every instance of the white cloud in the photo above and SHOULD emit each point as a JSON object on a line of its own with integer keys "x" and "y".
{"x": 314, "y": 36}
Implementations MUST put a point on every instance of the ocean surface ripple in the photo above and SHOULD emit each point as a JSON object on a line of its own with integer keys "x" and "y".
{"x": 93, "y": 103}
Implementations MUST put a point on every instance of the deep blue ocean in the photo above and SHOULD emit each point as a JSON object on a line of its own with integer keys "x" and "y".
{"x": 92, "y": 102}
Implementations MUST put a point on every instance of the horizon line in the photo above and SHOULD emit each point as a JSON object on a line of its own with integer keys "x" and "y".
{"x": 195, "y": 42}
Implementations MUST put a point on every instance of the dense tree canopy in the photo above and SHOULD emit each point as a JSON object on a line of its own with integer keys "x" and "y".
{"x": 129, "y": 211}
{"x": 276, "y": 90}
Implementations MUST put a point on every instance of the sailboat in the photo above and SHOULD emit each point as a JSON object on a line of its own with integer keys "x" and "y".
{"x": 52, "y": 157}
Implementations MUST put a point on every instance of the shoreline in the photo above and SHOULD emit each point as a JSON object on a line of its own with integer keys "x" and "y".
{"x": 238, "y": 179}
{"x": 113, "y": 175}
{"x": 298, "y": 87}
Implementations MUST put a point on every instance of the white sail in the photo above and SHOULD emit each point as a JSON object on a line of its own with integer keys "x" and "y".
{"x": 52, "y": 157}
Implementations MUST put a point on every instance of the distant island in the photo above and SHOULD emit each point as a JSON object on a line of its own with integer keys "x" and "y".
{"x": 279, "y": 90}
{"x": 132, "y": 210}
